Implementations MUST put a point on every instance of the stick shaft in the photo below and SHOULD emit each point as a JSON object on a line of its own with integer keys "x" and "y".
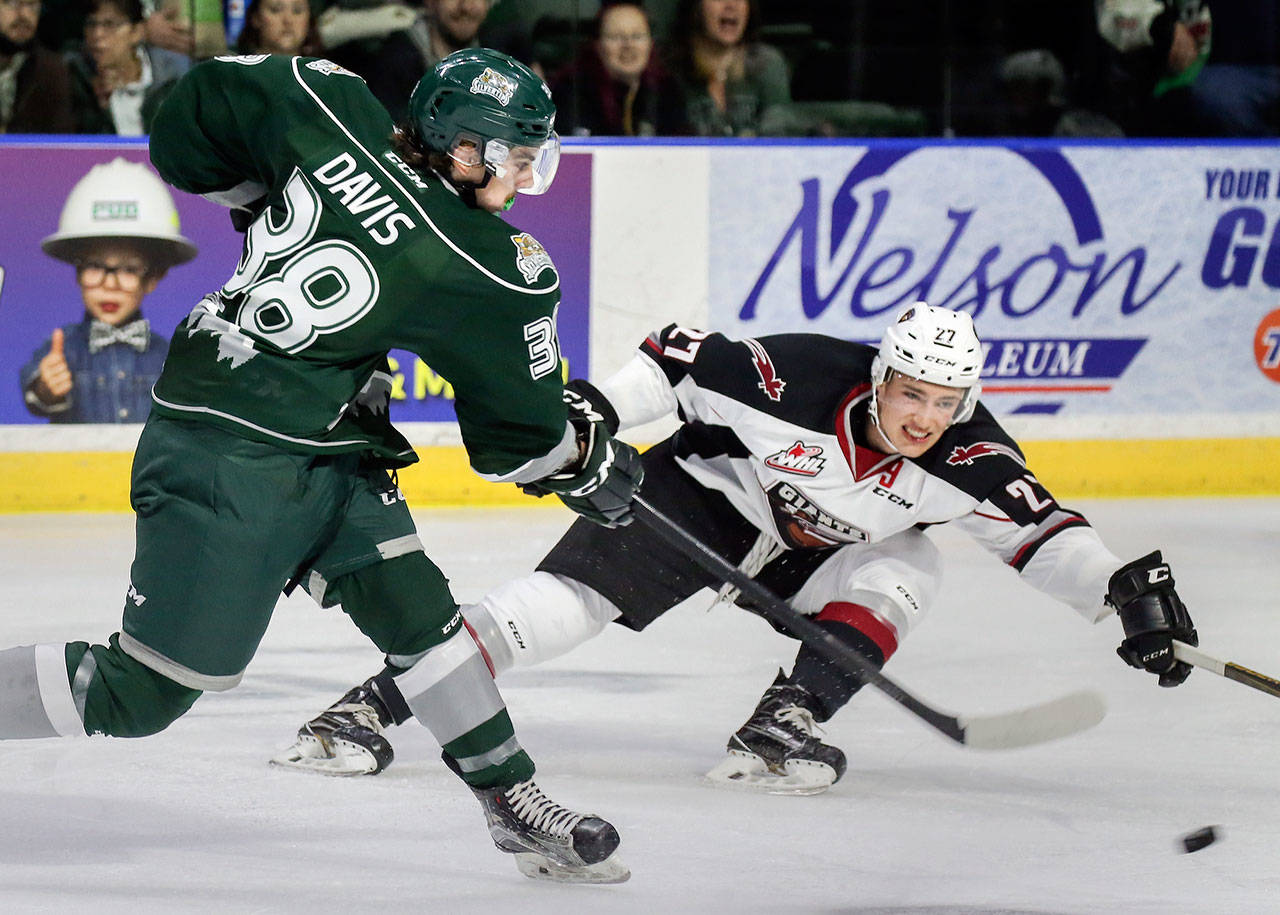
{"x": 799, "y": 626}
{"x": 1197, "y": 658}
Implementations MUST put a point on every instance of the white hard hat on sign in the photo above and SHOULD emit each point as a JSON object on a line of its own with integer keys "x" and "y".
{"x": 120, "y": 199}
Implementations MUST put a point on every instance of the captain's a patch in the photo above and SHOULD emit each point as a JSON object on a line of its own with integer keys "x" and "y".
{"x": 531, "y": 257}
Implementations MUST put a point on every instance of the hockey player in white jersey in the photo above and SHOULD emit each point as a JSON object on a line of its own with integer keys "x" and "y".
{"x": 815, "y": 464}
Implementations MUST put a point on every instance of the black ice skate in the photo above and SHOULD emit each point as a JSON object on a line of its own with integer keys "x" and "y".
{"x": 345, "y": 739}
{"x": 550, "y": 842}
{"x": 778, "y": 749}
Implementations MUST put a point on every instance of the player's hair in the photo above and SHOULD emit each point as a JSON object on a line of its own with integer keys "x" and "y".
{"x": 408, "y": 147}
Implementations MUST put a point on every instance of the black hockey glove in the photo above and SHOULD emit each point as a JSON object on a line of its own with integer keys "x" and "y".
{"x": 601, "y": 484}
{"x": 1153, "y": 616}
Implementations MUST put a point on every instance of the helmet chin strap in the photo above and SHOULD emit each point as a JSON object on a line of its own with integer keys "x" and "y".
{"x": 467, "y": 189}
{"x": 873, "y": 413}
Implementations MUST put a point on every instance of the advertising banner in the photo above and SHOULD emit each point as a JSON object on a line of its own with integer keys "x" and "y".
{"x": 1110, "y": 283}
{"x": 39, "y": 293}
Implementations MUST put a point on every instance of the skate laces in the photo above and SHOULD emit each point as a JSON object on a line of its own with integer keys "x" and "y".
{"x": 800, "y": 718}
{"x": 533, "y": 807}
{"x": 354, "y": 713}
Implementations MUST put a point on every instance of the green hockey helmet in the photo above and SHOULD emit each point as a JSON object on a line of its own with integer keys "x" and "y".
{"x": 480, "y": 106}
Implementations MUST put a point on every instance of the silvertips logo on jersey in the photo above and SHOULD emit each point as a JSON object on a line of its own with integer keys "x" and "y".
{"x": 800, "y": 458}
{"x": 329, "y": 68}
{"x": 493, "y": 83}
{"x": 531, "y": 257}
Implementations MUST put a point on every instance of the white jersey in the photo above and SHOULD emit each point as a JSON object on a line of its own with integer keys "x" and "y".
{"x": 777, "y": 426}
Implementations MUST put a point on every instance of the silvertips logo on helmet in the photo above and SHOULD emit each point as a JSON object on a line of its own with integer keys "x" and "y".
{"x": 492, "y": 83}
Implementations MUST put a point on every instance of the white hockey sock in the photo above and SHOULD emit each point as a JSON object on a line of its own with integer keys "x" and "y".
{"x": 538, "y": 617}
{"x": 35, "y": 697}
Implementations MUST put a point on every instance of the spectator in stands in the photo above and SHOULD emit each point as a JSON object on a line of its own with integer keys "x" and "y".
{"x": 617, "y": 86}
{"x": 730, "y": 78}
{"x": 118, "y": 80}
{"x": 168, "y": 26}
{"x": 35, "y": 87}
{"x": 412, "y": 42}
{"x": 1154, "y": 51}
{"x": 279, "y": 27}
{"x": 353, "y": 31}
{"x": 119, "y": 228}
{"x": 1237, "y": 93}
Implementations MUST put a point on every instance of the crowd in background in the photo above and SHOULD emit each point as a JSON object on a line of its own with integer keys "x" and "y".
{"x": 721, "y": 68}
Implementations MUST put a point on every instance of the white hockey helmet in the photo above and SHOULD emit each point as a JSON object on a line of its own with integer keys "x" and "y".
{"x": 125, "y": 200}
{"x": 936, "y": 345}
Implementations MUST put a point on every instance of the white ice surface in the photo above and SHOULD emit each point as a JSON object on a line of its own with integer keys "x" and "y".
{"x": 193, "y": 820}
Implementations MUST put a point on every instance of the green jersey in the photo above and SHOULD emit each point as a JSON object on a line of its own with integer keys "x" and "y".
{"x": 353, "y": 254}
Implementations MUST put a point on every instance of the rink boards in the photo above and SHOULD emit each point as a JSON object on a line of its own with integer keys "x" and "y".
{"x": 1129, "y": 295}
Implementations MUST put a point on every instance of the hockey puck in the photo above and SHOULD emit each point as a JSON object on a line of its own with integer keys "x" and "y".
{"x": 1201, "y": 838}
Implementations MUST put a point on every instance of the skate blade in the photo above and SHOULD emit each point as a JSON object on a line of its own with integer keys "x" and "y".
{"x": 540, "y": 867}
{"x": 748, "y": 772}
{"x": 310, "y": 755}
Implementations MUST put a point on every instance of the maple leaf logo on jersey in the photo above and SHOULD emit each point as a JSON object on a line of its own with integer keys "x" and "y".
{"x": 493, "y": 83}
{"x": 770, "y": 383}
{"x": 799, "y": 458}
{"x": 531, "y": 257}
{"x": 233, "y": 345}
{"x": 967, "y": 454}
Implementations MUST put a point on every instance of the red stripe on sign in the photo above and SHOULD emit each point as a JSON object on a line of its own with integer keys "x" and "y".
{"x": 1045, "y": 388}
{"x": 865, "y": 621}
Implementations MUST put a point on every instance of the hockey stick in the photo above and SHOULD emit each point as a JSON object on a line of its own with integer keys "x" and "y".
{"x": 1061, "y": 717}
{"x": 1197, "y": 658}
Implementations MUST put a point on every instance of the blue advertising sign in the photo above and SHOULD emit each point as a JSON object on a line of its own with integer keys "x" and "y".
{"x": 1104, "y": 279}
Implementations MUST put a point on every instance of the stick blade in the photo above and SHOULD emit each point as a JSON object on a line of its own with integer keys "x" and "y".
{"x": 1061, "y": 717}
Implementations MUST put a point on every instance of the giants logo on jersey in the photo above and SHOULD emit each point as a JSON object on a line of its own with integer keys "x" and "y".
{"x": 803, "y": 525}
{"x": 967, "y": 454}
{"x": 770, "y": 383}
{"x": 799, "y": 458}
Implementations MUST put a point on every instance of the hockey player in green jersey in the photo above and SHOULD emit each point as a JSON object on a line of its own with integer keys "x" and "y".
{"x": 265, "y": 460}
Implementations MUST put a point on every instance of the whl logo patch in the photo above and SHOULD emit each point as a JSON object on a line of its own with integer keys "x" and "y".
{"x": 800, "y": 458}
